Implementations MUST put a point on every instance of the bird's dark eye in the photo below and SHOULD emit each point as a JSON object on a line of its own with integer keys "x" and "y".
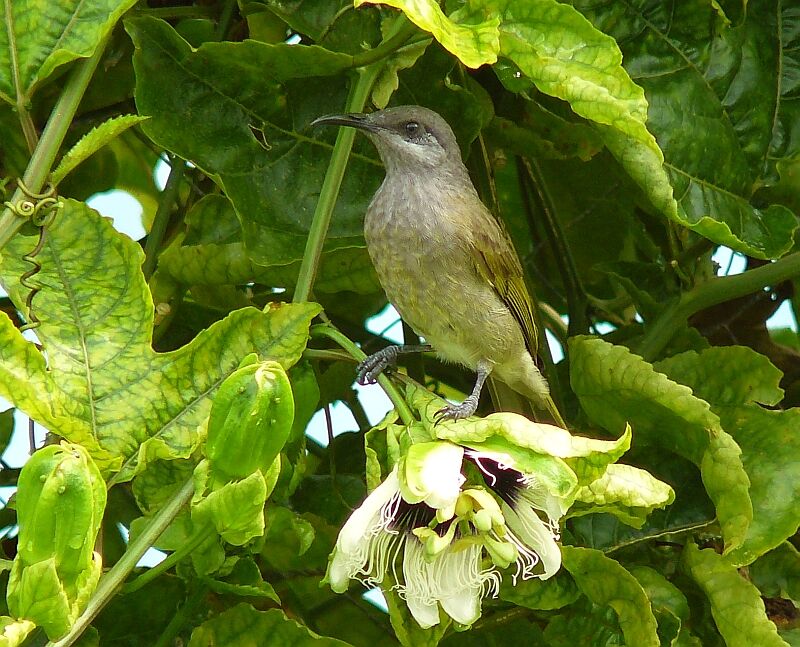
{"x": 412, "y": 128}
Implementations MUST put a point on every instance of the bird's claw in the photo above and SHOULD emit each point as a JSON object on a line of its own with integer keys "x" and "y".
{"x": 369, "y": 369}
{"x": 456, "y": 411}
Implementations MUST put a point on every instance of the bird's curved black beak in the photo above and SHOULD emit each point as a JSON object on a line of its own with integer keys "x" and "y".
{"x": 353, "y": 120}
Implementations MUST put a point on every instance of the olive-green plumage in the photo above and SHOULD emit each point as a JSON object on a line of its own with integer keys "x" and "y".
{"x": 444, "y": 261}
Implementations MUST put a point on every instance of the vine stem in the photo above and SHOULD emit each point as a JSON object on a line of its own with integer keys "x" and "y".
{"x": 113, "y": 579}
{"x": 359, "y": 91}
{"x": 161, "y": 219}
{"x": 400, "y": 405}
{"x": 357, "y": 99}
{"x": 712, "y": 293}
{"x": 185, "y": 549}
{"x": 53, "y": 136}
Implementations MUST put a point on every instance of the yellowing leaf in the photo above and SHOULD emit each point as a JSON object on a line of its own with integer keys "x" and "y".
{"x": 475, "y": 44}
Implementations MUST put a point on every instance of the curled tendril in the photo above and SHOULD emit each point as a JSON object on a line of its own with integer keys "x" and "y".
{"x": 41, "y": 209}
{"x": 30, "y": 257}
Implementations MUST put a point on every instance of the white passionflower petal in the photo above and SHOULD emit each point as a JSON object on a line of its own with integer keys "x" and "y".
{"x": 534, "y": 535}
{"x": 363, "y": 548}
{"x": 418, "y": 590}
{"x": 433, "y": 474}
{"x": 461, "y": 582}
{"x": 454, "y": 578}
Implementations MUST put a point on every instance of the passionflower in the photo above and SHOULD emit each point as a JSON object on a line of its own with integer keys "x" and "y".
{"x": 440, "y": 542}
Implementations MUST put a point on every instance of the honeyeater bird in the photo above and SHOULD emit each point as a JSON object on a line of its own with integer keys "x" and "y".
{"x": 444, "y": 261}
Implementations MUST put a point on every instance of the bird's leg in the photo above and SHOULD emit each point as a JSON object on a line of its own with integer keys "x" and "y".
{"x": 373, "y": 365}
{"x": 470, "y": 404}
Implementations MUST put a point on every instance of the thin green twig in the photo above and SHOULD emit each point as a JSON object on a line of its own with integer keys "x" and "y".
{"x": 185, "y": 549}
{"x": 359, "y": 91}
{"x": 714, "y": 292}
{"x": 326, "y": 330}
{"x": 181, "y": 617}
{"x": 370, "y": 65}
{"x": 155, "y": 237}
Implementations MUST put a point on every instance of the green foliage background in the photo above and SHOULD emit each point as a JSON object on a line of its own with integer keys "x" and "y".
{"x": 619, "y": 142}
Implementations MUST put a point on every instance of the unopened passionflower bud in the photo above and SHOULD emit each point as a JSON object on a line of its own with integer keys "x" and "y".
{"x": 61, "y": 496}
{"x": 250, "y": 421}
{"x": 60, "y": 501}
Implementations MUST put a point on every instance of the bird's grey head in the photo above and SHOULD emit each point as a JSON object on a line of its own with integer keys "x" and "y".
{"x": 408, "y": 138}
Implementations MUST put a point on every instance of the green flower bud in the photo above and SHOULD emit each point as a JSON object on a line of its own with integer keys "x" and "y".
{"x": 482, "y": 519}
{"x": 250, "y": 421}
{"x": 60, "y": 501}
{"x": 503, "y": 554}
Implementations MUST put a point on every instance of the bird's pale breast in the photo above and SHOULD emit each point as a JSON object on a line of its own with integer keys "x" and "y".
{"x": 423, "y": 260}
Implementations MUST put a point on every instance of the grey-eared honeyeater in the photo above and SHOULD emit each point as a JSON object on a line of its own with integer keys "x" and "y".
{"x": 444, "y": 261}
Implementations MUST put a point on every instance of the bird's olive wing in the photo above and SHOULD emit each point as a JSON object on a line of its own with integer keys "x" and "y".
{"x": 497, "y": 261}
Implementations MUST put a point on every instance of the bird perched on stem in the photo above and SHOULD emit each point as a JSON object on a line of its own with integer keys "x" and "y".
{"x": 445, "y": 262}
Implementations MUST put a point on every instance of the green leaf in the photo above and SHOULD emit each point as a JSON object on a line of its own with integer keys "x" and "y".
{"x": 6, "y": 429}
{"x": 39, "y": 36}
{"x": 345, "y": 269}
{"x": 692, "y": 509}
{"x": 288, "y": 536}
{"x": 36, "y": 593}
{"x": 92, "y": 142}
{"x": 736, "y": 82}
{"x": 777, "y": 574}
{"x": 158, "y": 602}
{"x": 244, "y": 580}
{"x": 734, "y": 379}
{"x": 670, "y": 606}
{"x": 213, "y": 253}
{"x": 545, "y": 135}
{"x": 616, "y": 387}
{"x": 388, "y": 81}
{"x": 770, "y": 446}
{"x": 474, "y": 43}
{"x": 272, "y": 177}
{"x": 606, "y": 583}
{"x": 627, "y": 492}
{"x": 726, "y": 375}
{"x": 519, "y": 631}
{"x": 160, "y": 481}
{"x": 236, "y": 509}
{"x": 566, "y": 57}
{"x": 547, "y": 595}
{"x": 584, "y": 623}
{"x": 243, "y": 626}
{"x": 735, "y": 603}
{"x": 508, "y": 432}
{"x": 104, "y": 387}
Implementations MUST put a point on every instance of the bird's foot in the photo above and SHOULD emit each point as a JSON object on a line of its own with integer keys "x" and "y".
{"x": 371, "y": 367}
{"x": 457, "y": 411}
